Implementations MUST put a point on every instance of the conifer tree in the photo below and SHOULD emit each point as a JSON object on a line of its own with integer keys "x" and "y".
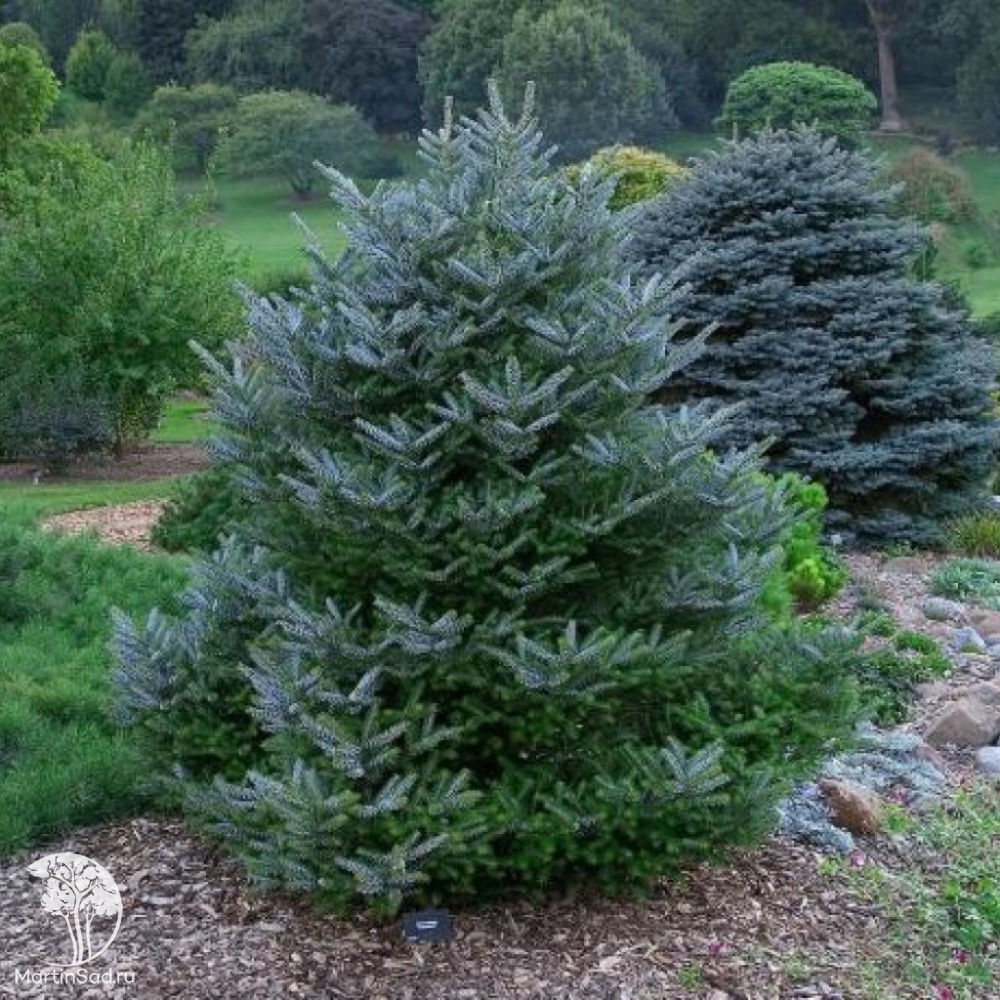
{"x": 867, "y": 379}
{"x": 490, "y": 623}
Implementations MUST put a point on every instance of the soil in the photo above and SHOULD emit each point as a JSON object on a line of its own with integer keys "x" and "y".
{"x": 151, "y": 461}
{"x": 771, "y": 923}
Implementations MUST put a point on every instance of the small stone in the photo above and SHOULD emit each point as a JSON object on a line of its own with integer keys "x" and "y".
{"x": 968, "y": 640}
{"x": 988, "y": 760}
{"x": 987, "y": 692}
{"x": 986, "y": 623}
{"x": 966, "y": 723}
{"x": 854, "y": 808}
{"x": 940, "y": 609}
{"x": 933, "y": 690}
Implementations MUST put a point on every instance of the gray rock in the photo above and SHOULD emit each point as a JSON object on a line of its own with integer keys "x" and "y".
{"x": 940, "y": 609}
{"x": 987, "y": 692}
{"x": 965, "y": 723}
{"x": 988, "y": 760}
{"x": 968, "y": 640}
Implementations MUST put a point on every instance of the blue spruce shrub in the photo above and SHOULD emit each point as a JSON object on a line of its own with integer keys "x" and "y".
{"x": 867, "y": 380}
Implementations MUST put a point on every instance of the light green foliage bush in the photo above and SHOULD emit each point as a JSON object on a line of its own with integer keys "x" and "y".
{"x": 933, "y": 190}
{"x": 977, "y": 580}
{"x": 507, "y": 635}
{"x": 88, "y": 63}
{"x": 283, "y": 134}
{"x": 786, "y": 94}
{"x": 107, "y": 273}
{"x": 28, "y": 91}
{"x": 976, "y": 535}
{"x": 813, "y": 573}
{"x": 640, "y": 174}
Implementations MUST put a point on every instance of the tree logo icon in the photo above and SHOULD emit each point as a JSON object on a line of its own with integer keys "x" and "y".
{"x": 85, "y": 895}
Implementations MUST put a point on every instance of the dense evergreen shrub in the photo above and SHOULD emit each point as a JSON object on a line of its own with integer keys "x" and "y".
{"x": 868, "y": 380}
{"x": 491, "y": 622}
{"x": 204, "y": 508}
{"x": 785, "y": 94}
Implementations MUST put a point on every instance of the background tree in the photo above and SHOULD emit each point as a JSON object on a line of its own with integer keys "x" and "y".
{"x": 108, "y": 274}
{"x": 188, "y": 120}
{"x": 869, "y": 382}
{"x": 364, "y": 53}
{"x": 593, "y": 86}
{"x": 283, "y": 134}
{"x": 464, "y": 50}
{"x": 505, "y": 636}
{"x": 885, "y": 15}
{"x": 126, "y": 87}
{"x": 58, "y": 23}
{"x": 28, "y": 90}
{"x": 161, "y": 27}
{"x": 257, "y": 46}
{"x": 22, "y": 33}
{"x": 88, "y": 63}
{"x": 785, "y": 94}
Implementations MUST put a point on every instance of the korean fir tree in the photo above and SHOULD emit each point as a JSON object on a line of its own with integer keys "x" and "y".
{"x": 867, "y": 379}
{"x": 489, "y": 623}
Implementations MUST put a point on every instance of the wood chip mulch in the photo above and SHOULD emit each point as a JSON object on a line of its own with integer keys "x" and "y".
{"x": 769, "y": 924}
{"x": 125, "y": 524}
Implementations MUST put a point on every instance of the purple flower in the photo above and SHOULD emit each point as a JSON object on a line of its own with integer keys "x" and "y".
{"x": 942, "y": 992}
{"x": 857, "y": 859}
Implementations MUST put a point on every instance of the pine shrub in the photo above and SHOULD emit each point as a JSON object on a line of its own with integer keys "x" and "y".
{"x": 491, "y": 622}
{"x": 868, "y": 381}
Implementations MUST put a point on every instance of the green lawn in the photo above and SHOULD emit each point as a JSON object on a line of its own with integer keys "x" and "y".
{"x": 62, "y": 497}
{"x": 183, "y": 423}
{"x": 257, "y": 218}
{"x": 63, "y": 762}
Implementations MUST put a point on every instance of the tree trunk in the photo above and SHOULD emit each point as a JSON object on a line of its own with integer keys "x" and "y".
{"x": 892, "y": 119}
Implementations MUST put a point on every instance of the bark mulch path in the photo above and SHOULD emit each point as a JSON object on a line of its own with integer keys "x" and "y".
{"x": 768, "y": 924}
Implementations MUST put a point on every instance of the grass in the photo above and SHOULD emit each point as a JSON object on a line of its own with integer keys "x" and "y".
{"x": 63, "y": 762}
{"x": 59, "y": 498}
{"x": 256, "y": 217}
{"x": 942, "y": 908}
{"x": 184, "y": 422}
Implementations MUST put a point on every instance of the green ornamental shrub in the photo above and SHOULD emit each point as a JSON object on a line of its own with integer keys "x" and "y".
{"x": 870, "y": 382}
{"x": 640, "y": 174}
{"x": 490, "y": 624}
{"x": 107, "y": 274}
{"x": 781, "y": 95}
{"x": 932, "y": 189}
